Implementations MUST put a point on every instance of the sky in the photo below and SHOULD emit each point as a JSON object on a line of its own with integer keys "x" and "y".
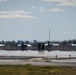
{"x": 32, "y": 19}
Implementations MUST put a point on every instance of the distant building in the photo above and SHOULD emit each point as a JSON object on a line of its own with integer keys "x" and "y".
{"x": 55, "y": 44}
{"x": 2, "y": 45}
{"x": 73, "y": 44}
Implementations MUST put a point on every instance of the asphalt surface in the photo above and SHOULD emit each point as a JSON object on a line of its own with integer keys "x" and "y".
{"x": 15, "y": 60}
{"x": 22, "y": 62}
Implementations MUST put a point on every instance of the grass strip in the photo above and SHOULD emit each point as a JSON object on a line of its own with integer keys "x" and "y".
{"x": 36, "y": 70}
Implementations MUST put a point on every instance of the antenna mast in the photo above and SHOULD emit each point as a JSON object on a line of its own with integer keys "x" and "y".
{"x": 49, "y": 34}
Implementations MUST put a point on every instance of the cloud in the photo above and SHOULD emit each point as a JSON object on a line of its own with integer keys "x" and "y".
{"x": 3, "y": 0}
{"x": 15, "y": 14}
{"x": 67, "y": 33}
{"x": 42, "y": 9}
{"x": 33, "y": 7}
{"x": 52, "y": 0}
{"x": 57, "y": 10}
{"x": 63, "y": 2}
{"x": 68, "y": 3}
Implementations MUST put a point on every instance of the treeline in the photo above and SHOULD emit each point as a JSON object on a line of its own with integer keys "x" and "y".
{"x": 34, "y": 42}
{"x": 14, "y": 43}
{"x": 65, "y": 42}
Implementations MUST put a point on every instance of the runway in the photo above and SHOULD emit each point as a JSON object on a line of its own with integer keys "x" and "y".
{"x": 38, "y": 58}
{"x": 21, "y": 60}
